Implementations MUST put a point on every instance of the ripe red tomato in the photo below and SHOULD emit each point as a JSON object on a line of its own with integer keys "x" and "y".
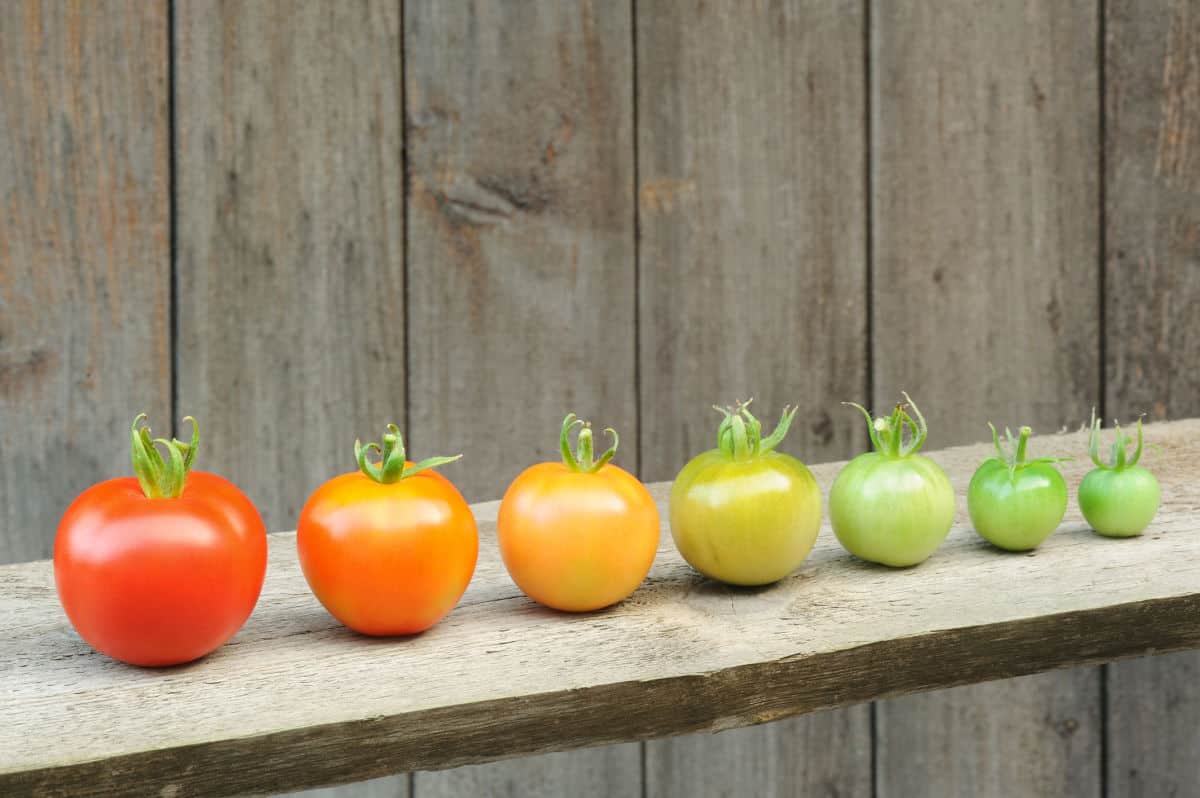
{"x": 164, "y": 568}
{"x": 388, "y": 549}
{"x": 577, "y": 535}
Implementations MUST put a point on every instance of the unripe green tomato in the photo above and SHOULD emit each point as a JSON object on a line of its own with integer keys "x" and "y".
{"x": 1119, "y": 503}
{"x": 746, "y": 522}
{"x": 891, "y": 510}
{"x": 1016, "y": 510}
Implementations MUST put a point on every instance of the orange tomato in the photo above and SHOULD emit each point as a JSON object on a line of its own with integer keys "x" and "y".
{"x": 577, "y": 535}
{"x": 389, "y": 549}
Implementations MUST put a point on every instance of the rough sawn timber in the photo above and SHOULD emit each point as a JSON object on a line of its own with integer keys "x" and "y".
{"x": 295, "y": 700}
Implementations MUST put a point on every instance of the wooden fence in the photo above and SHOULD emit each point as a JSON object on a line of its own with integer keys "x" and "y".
{"x": 300, "y": 220}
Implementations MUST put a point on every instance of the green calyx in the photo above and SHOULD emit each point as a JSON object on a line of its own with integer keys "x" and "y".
{"x": 162, "y": 478}
{"x": 1120, "y": 455}
{"x": 887, "y": 432}
{"x": 392, "y": 459}
{"x": 581, "y": 460}
{"x": 1014, "y": 456}
{"x": 739, "y": 437}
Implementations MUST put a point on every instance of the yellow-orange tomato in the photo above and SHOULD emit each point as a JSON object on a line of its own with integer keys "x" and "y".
{"x": 388, "y": 558}
{"x": 577, "y": 536}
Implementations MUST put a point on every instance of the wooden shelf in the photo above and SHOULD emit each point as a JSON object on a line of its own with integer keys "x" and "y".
{"x": 296, "y": 700}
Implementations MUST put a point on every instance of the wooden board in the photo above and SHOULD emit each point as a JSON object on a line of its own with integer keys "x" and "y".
{"x": 1152, "y": 214}
{"x": 752, "y": 220}
{"x": 290, "y": 242}
{"x": 985, "y": 130}
{"x": 290, "y": 266}
{"x": 296, "y": 700}
{"x": 85, "y": 339}
{"x": 521, "y": 289}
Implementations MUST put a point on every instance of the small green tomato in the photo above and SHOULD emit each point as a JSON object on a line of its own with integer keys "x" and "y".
{"x": 1119, "y": 499}
{"x": 892, "y": 506}
{"x": 1015, "y": 504}
{"x": 743, "y": 513}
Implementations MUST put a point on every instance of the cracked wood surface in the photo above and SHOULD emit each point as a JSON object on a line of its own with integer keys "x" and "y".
{"x": 295, "y": 700}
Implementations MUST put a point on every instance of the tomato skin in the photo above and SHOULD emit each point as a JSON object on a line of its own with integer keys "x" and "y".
{"x": 1016, "y": 511}
{"x": 891, "y": 510}
{"x": 577, "y": 541}
{"x": 163, "y": 581}
{"x": 745, "y": 522}
{"x": 387, "y": 558}
{"x": 1119, "y": 503}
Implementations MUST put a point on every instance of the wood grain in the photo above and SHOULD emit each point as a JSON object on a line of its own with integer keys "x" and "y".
{"x": 290, "y": 238}
{"x": 297, "y": 701}
{"x": 752, "y": 219}
{"x": 85, "y": 340}
{"x": 985, "y": 146}
{"x": 521, "y": 269}
{"x": 1152, "y": 159}
{"x": 521, "y": 264}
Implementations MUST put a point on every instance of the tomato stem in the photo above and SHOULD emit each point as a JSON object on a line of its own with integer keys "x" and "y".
{"x": 582, "y": 459}
{"x": 159, "y": 478}
{"x": 393, "y": 462}
{"x": 887, "y": 432}
{"x": 1120, "y": 457}
{"x": 739, "y": 436}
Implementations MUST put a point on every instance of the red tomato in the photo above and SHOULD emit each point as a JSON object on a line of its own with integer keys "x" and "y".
{"x": 577, "y": 535}
{"x": 389, "y": 549}
{"x": 163, "y": 580}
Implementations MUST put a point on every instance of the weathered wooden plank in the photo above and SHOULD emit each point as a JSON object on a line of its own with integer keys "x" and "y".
{"x": 290, "y": 238}
{"x": 985, "y": 131}
{"x": 1152, "y": 159}
{"x": 290, "y": 265}
{"x": 752, "y": 215}
{"x": 824, "y": 754}
{"x": 85, "y": 341}
{"x": 521, "y": 268}
{"x": 295, "y": 700}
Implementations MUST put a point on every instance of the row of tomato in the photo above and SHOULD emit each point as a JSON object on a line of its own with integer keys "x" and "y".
{"x": 164, "y": 567}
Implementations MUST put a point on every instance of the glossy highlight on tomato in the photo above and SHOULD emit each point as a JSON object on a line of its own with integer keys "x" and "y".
{"x": 163, "y": 568}
{"x": 388, "y": 549}
{"x": 1119, "y": 499}
{"x": 892, "y": 506}
{"x": 581, "y": 534}
{"x": 743, "y": 513}
{"x": 1016, "y": 503}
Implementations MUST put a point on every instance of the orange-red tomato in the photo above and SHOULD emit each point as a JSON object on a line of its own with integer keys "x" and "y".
{"x": 388, "y": 558}
{"x": 155, "y": 574}
{"x": 574, "y": 538}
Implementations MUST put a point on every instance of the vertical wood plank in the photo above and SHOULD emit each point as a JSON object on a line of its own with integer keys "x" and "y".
{"x": 985, "y": 147}
{"x": 290, "y": 277}
{"x": 290, "y": 238}
{"x": 85, "y": 340}
{"x": 521, "y": 271}
{"x": 753, "y": 283}
{"x": 1152, "y": 335}
{"x": 823, "y": 754}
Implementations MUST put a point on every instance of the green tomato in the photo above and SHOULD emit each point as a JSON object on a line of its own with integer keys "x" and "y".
{"x": 742, "y": 513}
{"x": 892, "y": 506}
{"x": 1118, "y": 499}
{"x": 1015, "y": 504}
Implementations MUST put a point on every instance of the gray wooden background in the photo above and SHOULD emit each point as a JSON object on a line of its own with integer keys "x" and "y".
{"x": 301, "y": 220}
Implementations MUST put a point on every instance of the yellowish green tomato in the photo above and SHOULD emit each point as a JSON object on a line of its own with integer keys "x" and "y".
{"x": 743, "y": 513}
{"x": 1015, "y": 504}
{"x": 1119, "y": 499}
{"x": 892, "y": 506}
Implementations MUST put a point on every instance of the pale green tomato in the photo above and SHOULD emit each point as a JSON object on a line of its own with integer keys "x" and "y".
{"x": 1119, "y": 499}
{"x": 1015, "y": 504}
{"x": 892, "y": 506}
{"x": 742, "y": 513}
